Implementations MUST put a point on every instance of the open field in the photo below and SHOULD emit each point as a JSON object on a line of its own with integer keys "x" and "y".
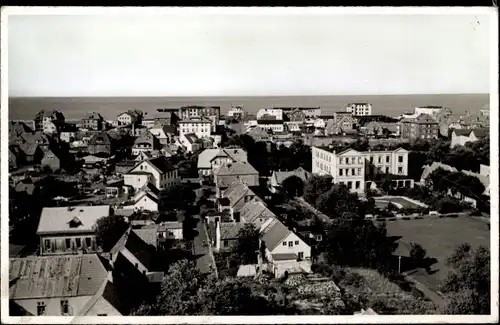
{"x": 439, "y": 237}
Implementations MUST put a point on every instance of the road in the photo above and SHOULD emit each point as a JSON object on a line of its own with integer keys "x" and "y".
{"x": 205, "y": 261}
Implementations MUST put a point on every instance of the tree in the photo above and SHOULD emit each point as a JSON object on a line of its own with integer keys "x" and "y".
{"x": 248, "y": 244}
{"x": 46, "y": 169}
{"x": 468, "y": 286}
{"x": 108, "y": 230}
{"x": 293, "y": 186}
{"x": 338, "y": 200}
{"x": 177, "y": 197}
{"x": 417, "y": 253}
{"x": 316, "y": 186}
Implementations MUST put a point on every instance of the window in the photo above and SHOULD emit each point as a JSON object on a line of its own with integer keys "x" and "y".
{"x": 358, "y": 184}
{"x": 371, "y": 160}
{"x": 290, "y": 244}
{"x": 88, "y": 242}
{"x": 379, "y": 159}
{"x": 359, "y": 171}
{"x": 387, "y": 170}
{"x": 341, "y": 172}
{"x": 47, "y": 244}
{"x": 387, "y": 159}
{"x": 64, "y": 307}
{"x": 400, "y": 170}
{"x": 284, "y": 243}
{"x": 296, "y": 242}
{"x": 301, "y": 255}
{"x": 400, "y": 159}
{"x": 349, "y": 184}
{"x": 40, "y": 308}
{"x": 226, "y": 243}
{"x": 78, "y": 242}
{"x": 68, "y": 243}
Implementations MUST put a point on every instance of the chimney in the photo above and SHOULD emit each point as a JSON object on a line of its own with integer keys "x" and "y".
{"x": 217, "y": 235}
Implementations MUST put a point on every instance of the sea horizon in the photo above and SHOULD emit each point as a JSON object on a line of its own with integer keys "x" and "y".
{"x": 75, "y": 107}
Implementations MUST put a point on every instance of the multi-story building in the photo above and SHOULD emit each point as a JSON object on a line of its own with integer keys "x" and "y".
{"x": 237, "y": 112}
{"x": 64, "y": 230}
{"x": 130, "y": 117}
{"x": 359, "y": 109}
{"x": 146, "y": 142}
{"x": 421, "y": 127}
{"x": 342, "y": 123}
{"x": 355, "y": 169}
{"x": 462, "y": 136}
{"x": 93, "y": 121}
{"x": 310, "y": 112}
{"x": 211, "y": 113}
{"x": 200, "y": 126}
{"x": 159, "y": 171}
{"x": 101, "y": 142}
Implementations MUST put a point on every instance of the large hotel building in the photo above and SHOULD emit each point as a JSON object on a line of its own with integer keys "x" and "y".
{"x": 358, "y": 170}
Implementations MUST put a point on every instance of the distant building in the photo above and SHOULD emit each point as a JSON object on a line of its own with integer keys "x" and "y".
{"x": 101, "y": 142}
{"x": 164, "y": 133}
{"x": 211, "y": 159}
{"x": 461, "y": 137}
{"x": 129, "y": 117}
{"x": 93, "y": 121}
{"x": 64, "y": 230}
{"x": 277, "y": 113}
{"x": 146, "y": 142}
{"x": 342, "y": 123}
{"x": 278, "y": 177}
{"x": 273, "y": 125}
{"x": 68, "y": 133}
{"x": 201, "y": 127}
{"x": 355, "y": 169}
{"x": 234, "y": 198}
{"x": 259, "y": 134}
{"x": 211, "y": 113}
{"x": 359, "y": 109}
{"x": 421, "y": 127}
{"x": 228, "y": 173}
{"x": 51, "y": 122}
{"x": 237, "y": 112}
{"x": 307, "y": 112}
{"x": 50, "y": 159}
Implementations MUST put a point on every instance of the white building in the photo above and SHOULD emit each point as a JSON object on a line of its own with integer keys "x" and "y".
{"x": 359, "y": 109}
{"x": 351, "y": 167}
{"x": 283, "y": 245}
{"x": 237, "y": 111}
{"x": 127, "y": 118}
{"x": 276, "y": 112}
{"x": 274, "y": 125}
{"x": 143, "y": 201}
{"x": 461, "y": 136}
{"x": 67, "y": 230}
{"x": 211, "y": 159}
{"x": 159, "y": 171}
{"x": 199, "y": 126}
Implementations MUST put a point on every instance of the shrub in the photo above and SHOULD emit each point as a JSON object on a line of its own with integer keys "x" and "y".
{"x": 353, "y": 279}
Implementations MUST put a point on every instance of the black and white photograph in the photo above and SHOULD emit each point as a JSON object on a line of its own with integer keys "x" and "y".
{"x": 327, "y": 165}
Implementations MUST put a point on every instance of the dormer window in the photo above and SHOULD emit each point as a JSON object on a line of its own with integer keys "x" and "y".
{"x": 75, "y": 222}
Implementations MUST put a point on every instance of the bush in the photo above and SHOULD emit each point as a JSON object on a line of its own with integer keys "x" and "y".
{"x": 353, "y": 279}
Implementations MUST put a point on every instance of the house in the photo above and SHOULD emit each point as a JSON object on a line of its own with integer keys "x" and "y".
{"x": 52, "y": 121}
{"x": 277, "y": 113}
{"x": 191, "y": 142}
{"x": 293, "y": 126}
{"x": 210, "y": 159}
{"x": 64, "y": 230}
{"x": 226, "y": 174}
{"x": 237, "y": 112}
{"x": 226, "y": 235}
{"x": 423, "y": 126}
{"x": 101, "y": 142}
{"x": 93, "y": 121}
{"x": 234, "y": 198}
{"x": 200, "y": 126}
{"x": 164, "y": 133}
{"x": 259, "y": 134}
{"x": 377, "y": 129}
{"x": 129, "y": 117}
{"x": 281, "y": 244}
{"x": 146, "y": 142}
{"x": 68, "y": 133}
{"x": 26, "y": 186}
{"x": 256, "y": 213}
{"x": 342, "y": 123}
{"x": 55, "y": 285}
{"x": 143, "y": 201}
{"x": 461, "y": 137}
{"x": 160, "y": 171}
{"x": 275, "y": 126}
{"x": 50, "y": 159}
{"x": 38, "y": 138}
{"x": 359, "y": 109}
{"x": 278, "y": 177}
{"x": 32, "y": 153}
{"x": 160, "y": 119}
{"x": 169, "y": 230}
{"x": 296, "y": 115}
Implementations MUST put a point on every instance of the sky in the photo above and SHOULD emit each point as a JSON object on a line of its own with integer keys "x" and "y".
{"x": 246, "y": 55}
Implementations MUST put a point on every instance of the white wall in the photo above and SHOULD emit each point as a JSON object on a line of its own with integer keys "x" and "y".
{"x": 53, "y": 305}
{"x": 135, "y": 180}
{"x": 301, "y": 247}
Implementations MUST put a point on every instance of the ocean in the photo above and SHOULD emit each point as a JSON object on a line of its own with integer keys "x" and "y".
{"x": 74, "y": 108}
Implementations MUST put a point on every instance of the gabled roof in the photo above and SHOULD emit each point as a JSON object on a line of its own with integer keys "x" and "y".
{"x": 56, "y": 220}
{"x": 236, "y": 192}
{"x": 92, "y": 116}
{"x": 146, "y": 137}
{"x": 236, "y": 168}
{"x": 300, "y": 172}
{"x": 229, "y": 230}
{"x": 191, "y": 138}
{"x": 274, "y": 235}
{"x": 147, "y": 234}
{"x": 100, "y": 138}
{"x": 161, "y": 163}
{"x": 206, "y": 156}
{"x": 481, "y": 133}
{"x": 255, "y": 209}
{"x": 29, "y": 149}
{"x": 349, "y": 150}
{"x": 136, "y": 246}
{"x": 55, "y": 276}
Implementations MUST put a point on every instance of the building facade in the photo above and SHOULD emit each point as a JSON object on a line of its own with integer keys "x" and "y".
{"x": 353, "y": 168}
{"x": 277, "y": 113}
{"x": 201, "y": 127}
{"x": 93, "y": 121}
{"x": 421, "y": 127}
{"x": 359, "y": 109}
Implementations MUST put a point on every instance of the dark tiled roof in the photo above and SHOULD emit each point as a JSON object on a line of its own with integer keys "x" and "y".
{"x": 140, "y": 249}
{"x": 480, "y": 133}
{"x": 275, "y": 234}
{"x": 162, "y": 163}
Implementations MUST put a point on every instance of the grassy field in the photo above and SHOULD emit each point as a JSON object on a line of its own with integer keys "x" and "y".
{"x": 439, "y": 237}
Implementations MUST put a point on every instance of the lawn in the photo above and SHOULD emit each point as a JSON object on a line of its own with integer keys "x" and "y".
{"x": 439, "y": 236}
